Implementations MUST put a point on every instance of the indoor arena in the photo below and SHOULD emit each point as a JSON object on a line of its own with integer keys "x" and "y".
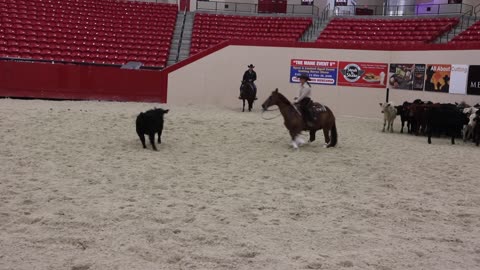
{"x": 390, "y": 182}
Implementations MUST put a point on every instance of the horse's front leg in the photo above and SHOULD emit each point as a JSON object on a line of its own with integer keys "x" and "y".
{"x": 243, "y": 110}
{"x": 391, "y": 126}
{"x": 296, "y": 140}
{"x": 312, "y": 135}
{"x": 384, "y": 124}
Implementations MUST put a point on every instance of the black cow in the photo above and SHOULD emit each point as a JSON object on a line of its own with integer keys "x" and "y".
{"x": 476, "y": 130}
{"x": 445, "y": 118}
{"x": 150, "y": 122}
{"x": 403, "y": 111}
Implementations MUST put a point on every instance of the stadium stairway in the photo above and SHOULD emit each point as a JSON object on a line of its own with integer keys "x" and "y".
{"x": 313, "y": 32}
{"x": 181, "y": 40}
{"x": 465, "y": 22}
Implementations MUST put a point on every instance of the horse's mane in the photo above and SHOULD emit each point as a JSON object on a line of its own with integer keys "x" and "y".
{"x": 283, "y": 98}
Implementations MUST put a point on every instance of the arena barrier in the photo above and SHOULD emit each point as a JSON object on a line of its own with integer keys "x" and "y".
{"x": 212, "y": 77}
{"x": 62, "y": 81}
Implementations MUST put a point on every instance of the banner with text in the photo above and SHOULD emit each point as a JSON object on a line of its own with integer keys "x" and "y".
{"x": 473, "y": 83}
{"x": 363, "y": 74}
{"x": 406, "y": 76}
{"x": 320, "y": 71}
{"x": 458, "y": 80}
{"x": 438, "y": 78}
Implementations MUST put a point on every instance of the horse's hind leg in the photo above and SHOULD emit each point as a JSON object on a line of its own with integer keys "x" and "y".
{"x": 312, "y": 135}
{"x": 250, "y": 105}
{"x": 243, "y": 110}
{"x": 326, "y": 134}
{"x": 151, "y": 136}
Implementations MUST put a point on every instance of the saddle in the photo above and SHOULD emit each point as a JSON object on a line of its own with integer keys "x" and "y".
{"x": 313, "y": 107}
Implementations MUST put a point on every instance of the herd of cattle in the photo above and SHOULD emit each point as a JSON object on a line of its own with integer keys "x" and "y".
{"x": 427, "y": 118}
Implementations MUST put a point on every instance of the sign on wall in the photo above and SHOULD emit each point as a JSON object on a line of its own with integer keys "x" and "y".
{"x": 458, "y": 80}
{"x": 406, "y": 76}
{"x": 320, "y": 71}
{"x": 473, "y": 82}
{"x": 359, "y": 74}
{"x": 437, "y": 78}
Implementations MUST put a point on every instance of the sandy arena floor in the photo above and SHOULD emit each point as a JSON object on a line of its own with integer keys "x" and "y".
{"x": 226, "y": 191}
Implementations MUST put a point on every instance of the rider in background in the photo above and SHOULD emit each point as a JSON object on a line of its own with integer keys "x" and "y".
{"x": 304, "y": 99}
{"x": 250, "y": 76}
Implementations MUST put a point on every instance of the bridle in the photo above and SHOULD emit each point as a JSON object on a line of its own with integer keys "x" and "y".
{"x": 270, "y": 118}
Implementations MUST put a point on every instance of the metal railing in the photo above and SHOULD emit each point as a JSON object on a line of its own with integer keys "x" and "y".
{"x": 465, "y": 21}
{"x": 181, "y": 36}
{"x": 317, "y": 22}
{"x": 403, "y": 10}
{"x": 216, "y": 6}
{"x": 325, "y": 14}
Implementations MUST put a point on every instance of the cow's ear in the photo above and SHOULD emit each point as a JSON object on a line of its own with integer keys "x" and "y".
{"x": 166, "y": 111}
{"x": 388, "y": 104}
{"x": 276, "y": 90}
{"x": 380, "y": 104}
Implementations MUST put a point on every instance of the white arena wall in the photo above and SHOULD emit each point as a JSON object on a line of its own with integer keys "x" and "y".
{"x": 215, "y": 78}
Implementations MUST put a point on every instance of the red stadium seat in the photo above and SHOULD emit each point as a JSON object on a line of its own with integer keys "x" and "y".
{"x": 386, "y": 32}
{"x": 71, "y": 30}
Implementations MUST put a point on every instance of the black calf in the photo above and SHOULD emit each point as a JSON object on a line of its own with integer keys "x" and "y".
{"x": 150, "y": 122}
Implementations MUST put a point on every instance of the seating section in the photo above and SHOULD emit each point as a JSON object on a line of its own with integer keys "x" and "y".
{"x": 385, "y": 31}
{"x": 472, "y": 34}
{"x": 210, "y": 29}
{"x": 93, "y": 31}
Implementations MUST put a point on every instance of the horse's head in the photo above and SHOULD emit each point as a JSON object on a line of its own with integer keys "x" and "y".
{"x": 271, "y": 100}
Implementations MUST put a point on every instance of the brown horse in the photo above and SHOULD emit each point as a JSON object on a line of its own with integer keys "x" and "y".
{"x": 247, "y": 93}
{"x": 294, "y": 122}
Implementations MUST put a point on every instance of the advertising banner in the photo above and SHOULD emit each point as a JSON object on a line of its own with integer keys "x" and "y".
{"x": 473, "y": 82}
{"x": 358, "y": 74}
{"x": 437, "y": 78}
{"x": 320, "y": 71}
{"x": 406, "y": 76}
{"x": 458, "y": 80}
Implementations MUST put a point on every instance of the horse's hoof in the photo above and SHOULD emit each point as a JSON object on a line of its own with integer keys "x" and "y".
{"x": 294, "y": 145}
{"x": 299, "y": 141}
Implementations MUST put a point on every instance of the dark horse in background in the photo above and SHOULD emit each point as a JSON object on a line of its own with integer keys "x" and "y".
{"x": 247, "y": 93}
{"x": 294, "y": 122}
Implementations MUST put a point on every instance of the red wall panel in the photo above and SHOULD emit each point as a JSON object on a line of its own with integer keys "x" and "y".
{"x": 38, "y": 80}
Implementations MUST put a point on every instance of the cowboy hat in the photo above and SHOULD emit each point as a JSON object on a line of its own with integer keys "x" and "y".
{"x": 304, "y": 76}
{"x": 251, "y": 66}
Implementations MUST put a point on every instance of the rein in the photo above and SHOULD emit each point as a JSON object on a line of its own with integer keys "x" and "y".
{"x": 271, "y": 118}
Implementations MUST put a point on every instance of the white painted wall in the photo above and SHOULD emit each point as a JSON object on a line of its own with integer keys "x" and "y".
{"x": 215, "y": 79}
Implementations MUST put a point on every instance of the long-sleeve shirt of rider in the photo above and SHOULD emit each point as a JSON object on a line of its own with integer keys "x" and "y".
{"x": 305, "y": 91}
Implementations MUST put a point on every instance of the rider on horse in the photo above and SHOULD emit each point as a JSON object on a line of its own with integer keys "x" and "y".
{"x": 304, "y": 100}
{"x": 250, "y": 76}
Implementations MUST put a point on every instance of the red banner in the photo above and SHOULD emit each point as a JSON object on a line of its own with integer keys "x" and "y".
{"x": 359, "y": 74}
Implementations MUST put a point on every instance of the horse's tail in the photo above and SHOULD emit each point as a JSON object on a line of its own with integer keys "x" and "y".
{"x": 334, "y": 135}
